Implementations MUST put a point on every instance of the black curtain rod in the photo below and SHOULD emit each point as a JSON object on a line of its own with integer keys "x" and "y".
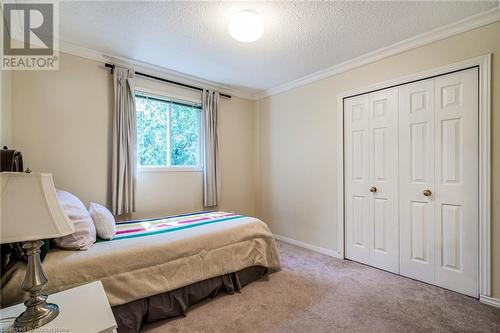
{"x": 167, "y": 81}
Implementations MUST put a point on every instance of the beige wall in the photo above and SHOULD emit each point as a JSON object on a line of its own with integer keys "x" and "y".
{"x": 62, "y": 124}
{"x": 5, "y": 108}
{"x": 296, "y": 141}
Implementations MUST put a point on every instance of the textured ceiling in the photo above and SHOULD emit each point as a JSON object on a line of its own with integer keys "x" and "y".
{"x": 300, "y": 37}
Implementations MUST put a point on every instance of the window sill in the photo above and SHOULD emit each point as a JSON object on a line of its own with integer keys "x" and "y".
{"x": 169, "y": 169}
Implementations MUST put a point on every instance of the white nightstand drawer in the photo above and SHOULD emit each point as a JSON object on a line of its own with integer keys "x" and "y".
{"x": 83, "y": 309}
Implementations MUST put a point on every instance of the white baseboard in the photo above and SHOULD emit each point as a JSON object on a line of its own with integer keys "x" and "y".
{"x": 490, "y": 301}
{"x": 314, "y": 248}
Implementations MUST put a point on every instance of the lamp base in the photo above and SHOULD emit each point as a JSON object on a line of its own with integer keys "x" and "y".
{"x": 36, "y": 316}
{"x": 38, "y": 311}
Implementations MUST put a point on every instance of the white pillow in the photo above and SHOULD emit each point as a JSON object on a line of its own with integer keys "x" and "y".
{"x": 85, "y": 234}
{"x": 103, "y": 220}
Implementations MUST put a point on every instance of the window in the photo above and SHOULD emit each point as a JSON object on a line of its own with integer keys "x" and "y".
{"x": 168, "y": 133}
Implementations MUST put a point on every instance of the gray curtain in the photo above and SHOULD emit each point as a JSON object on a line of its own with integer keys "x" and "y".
{"x": 211, "y": 153}
{"x": 124, "y": 159}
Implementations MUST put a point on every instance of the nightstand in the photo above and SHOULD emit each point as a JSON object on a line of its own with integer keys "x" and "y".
{"x": 83, "y": 309}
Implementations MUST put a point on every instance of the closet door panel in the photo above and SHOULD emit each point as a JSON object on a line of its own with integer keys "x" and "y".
{"x": 383, "y": 110}
{"x": 357, "y": 179}
{"x": 411, "y": 175}
{"x": 456, "y": 192}
{"x": 416, "y": 174}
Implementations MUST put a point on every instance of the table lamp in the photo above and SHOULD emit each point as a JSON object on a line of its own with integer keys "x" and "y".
{"x": 29, "y": 212}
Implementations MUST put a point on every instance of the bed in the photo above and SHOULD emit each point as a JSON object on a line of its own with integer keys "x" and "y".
{"x": 154, "y": 269}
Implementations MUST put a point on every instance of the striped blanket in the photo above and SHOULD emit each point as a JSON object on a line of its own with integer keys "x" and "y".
{"x": 168, "y": 224}
{"x": 138, "y": 267}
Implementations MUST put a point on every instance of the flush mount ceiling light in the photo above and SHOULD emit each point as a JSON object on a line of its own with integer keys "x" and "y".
{"x": 245, "y": 27}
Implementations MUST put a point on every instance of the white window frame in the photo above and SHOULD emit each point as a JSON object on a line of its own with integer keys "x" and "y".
{"x": 174, "y": 98}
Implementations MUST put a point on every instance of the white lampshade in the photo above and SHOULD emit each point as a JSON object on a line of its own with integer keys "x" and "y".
{"x": 30, "y": 209}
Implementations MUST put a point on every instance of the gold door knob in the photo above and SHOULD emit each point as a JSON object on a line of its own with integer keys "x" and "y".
{"x": 427, "y": 193}
{"x": 373, "y": 189}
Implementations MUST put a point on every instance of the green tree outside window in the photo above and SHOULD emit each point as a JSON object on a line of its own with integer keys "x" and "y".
{"x": 168, "y": 133}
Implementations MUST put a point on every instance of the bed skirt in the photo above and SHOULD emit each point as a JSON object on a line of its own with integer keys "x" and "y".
{"x": 131, "y": 316}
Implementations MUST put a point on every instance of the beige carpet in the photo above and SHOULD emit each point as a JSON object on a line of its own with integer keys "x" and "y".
{"x": 316, "y": 293}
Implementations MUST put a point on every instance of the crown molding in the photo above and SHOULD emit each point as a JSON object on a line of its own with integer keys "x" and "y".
{"x": 147, "y": 68}
{"x": 469, "y": 23}
{"x": 446, "y": 31}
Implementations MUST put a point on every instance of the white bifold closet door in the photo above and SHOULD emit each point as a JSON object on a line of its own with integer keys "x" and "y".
{"x": 438, "y": 181}
{"x": 411, "y": 180}
{"x": 416, "y": 154}
{"x": 371, "y": 170}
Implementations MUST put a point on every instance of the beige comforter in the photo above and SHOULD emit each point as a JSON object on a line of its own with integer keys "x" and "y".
{"x": 135, "y": 268}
